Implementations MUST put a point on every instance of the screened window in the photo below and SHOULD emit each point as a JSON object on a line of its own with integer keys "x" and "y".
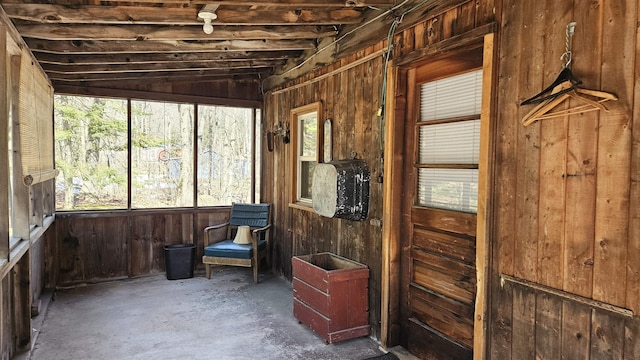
{"x": 305, "y": 146}
{"x": 449, "y": 142}
{"x": 162, "y": 154}
{"x": 91, "y": 153}
{"x": 111, "y": 158}
{"x": 225, "y": 143}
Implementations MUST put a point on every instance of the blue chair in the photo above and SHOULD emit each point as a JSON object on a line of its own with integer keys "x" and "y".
{"x": 226, "y": 252}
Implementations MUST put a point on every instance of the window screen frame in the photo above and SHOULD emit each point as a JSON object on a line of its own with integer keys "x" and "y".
{"x": 296, "y": 115}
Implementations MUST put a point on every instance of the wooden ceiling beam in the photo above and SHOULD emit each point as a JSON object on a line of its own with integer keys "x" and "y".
{"x": 105, "y": 47}
{"x": 149, "y": 68}
{"x": 305, "y": 3}
{"x": 194, "y": 74}
{"x": 119, "y": 15}
{"x": 161, "y": 58}
{"x": 108, "y": 89}
{"x": 254, "y": 3}
{"x": 149, "y": 32}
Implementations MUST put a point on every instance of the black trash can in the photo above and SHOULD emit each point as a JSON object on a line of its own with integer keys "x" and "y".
{"x": 179, "y": 261}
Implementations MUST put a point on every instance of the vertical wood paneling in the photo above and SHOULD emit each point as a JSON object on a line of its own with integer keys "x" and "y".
{"x": 434, "y": 30}
{"x": 524, "y": 324}
{"x": 114, "y": 246}
{"x": 21, "y": 303}
{"x": 350, "y": 99}
{"x": 528, "y": 142}
{"x": 633, "y": 267}
{"x": 576, "y": 331}
{"x": 466, "y": 17}
{"x": 582, "y": 139}
{"x": 105, "y": 248}
{"x": 420, "y": 31}
{"x": 501, "y": 322}
{"x": 632, "y": 339}
{"x": 553, "y": 145}
{"x": 585, "y": 168}
{"x": 506, "y": 143}
{"x": 149, "y": 235}
{"x": 70, "y": 251}
{"x": 614, "y": 150}
{"x": 7, "y": 345}
{"x": 548, "y": 327}
{"x": 607, "y": 336}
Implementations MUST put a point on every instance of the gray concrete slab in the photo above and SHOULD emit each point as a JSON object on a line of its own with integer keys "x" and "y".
{"x": 227, "y": 317}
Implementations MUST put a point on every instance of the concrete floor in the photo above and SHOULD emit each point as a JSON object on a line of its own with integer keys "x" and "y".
{"x": 227, "y": 317}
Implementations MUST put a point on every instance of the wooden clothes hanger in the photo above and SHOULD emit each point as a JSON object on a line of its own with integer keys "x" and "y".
{"x": 565, "y": 86}
{"x": 587, "y": 100}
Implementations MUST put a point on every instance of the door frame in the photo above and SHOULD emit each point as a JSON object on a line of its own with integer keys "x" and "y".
{"x": 392, "y": 218}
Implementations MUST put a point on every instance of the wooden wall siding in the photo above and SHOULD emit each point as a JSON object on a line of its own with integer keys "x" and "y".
{"x": 566, "y": 189}
{"x": 149, "y": 235}
{"x": 100, "y": 247}
{"x": 351, "y": 99}
{"x": 7, "y": 346}
{"x": 37, "y": 254}
{"x": 91, "y": 248}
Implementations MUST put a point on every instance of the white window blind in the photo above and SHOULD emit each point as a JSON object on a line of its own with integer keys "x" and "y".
{"x": 453, "y": 189}
{"x": 450, "y": 143}
{"x": 452, "y": 97}
{"x": 448, "y": 151}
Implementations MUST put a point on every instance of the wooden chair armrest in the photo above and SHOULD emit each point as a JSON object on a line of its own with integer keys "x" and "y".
{"x": 254, "y": 235}
{"x": 262, "y": 229}
{"x": 211, "y": 228}
{"x": 214, "y": 227}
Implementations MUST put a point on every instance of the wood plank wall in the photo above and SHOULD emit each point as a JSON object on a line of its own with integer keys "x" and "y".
{"x": 566, "y": 189}
{"x": 92, "y": 247}
{"x": 350, "y": 96}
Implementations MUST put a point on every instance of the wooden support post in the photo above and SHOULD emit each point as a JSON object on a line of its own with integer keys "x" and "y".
{"x": 393, "y": 164}
{"x": 483, "y": 228}
{"x": 4, "y": 139}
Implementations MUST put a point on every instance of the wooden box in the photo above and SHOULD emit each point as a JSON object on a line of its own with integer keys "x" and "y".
{"x": 331, "y": 296}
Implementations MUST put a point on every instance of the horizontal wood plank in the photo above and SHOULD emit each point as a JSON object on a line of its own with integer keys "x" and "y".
{"x": 457, "y": 247}
{"x": 46, "y": 13}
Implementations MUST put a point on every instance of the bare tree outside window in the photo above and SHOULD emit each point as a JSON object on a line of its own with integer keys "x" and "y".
{"x": 224, "y": 157}
{"x": 162, "y": 154}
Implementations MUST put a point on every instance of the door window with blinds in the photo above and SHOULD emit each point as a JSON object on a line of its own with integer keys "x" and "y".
{"x": 449, "y": 142}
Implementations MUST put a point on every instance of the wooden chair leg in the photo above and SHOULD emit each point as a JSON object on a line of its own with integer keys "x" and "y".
{"x": 207, "y": 268}
{"x": 255, "y": 265}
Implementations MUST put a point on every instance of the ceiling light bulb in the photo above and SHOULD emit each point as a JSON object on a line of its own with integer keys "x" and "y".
{"x": 207, "y": 28}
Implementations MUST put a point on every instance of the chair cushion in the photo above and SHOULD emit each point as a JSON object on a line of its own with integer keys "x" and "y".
{"x": 229, "y": 249}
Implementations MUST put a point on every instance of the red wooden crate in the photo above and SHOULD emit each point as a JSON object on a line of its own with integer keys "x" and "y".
{"x": 331, "y": 296}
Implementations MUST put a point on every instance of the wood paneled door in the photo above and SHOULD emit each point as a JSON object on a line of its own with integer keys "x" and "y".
{"x": 440, "y": 206}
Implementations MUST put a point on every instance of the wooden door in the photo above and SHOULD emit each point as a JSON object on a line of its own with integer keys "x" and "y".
{"x": 438, "y": 230}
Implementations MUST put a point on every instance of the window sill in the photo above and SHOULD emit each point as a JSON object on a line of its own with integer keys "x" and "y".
{"x": 306, "y": 206}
